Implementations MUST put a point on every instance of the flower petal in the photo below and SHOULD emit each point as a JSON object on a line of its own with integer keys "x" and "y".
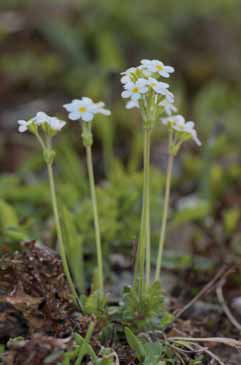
{"x": 74, "y": 115}
{"x": 22, "y": 128}
{"x": 87, "y": 117}
{"x": 125, "y": 94}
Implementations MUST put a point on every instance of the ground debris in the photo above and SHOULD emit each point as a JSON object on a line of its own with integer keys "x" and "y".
{"x": 35, "y": 294}
{"x": 125, "y": 354}
{"x": 12, "y": 322}
{"x": 38, "y": 350}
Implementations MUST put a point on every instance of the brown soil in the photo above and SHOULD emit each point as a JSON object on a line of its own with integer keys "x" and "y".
{"x": 35, "y": 303}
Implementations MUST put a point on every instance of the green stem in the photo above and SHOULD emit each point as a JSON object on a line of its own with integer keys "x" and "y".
{"x": 165, "y": 215}
{"x": 144, "y": 242}
{"x": 59, "y": 233}
{"x": 148, "y": 233}
{"x": 96, "y": 218}
{"x": 41, "y": 142}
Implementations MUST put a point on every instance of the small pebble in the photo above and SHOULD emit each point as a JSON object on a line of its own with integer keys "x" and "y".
{"x": 236, "y": 304}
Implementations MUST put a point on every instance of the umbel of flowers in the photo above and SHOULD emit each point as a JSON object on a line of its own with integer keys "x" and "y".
{"x": 145, "y": 88}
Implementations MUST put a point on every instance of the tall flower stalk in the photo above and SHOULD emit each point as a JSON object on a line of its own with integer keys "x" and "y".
{"x": 144, "y": 247}
{"x": 59, "y": 231}
{"x": 147, "y": 167}
{"x": 49, "y": 126}
{"x": 179, "y": 131}
{"x": 85, "y": 110}
{"x": 146, "y": 92}
{"x": 165, "y": 212}
{"x": 89, "y": 161}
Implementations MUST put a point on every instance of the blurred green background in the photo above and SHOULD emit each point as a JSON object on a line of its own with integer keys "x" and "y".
{"x": 53, "y": 51}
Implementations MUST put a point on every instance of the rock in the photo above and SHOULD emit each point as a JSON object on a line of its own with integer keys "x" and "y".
{"x": 236, "y": 304}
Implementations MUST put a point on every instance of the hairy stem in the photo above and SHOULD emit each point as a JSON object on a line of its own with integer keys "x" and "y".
{"x": 96, "y": 218}
{"x": 59, "y": 232}
{"x": 165, "y": 216}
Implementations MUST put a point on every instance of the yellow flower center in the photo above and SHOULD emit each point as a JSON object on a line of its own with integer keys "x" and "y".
{"x": 82, "y": 109}
{"x": 159, "y": 67}
{"x": 135, "y": 89}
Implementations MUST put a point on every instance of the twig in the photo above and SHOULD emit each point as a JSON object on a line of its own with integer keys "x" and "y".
{"x": 211, "y": 354}
{"x": 222, "y": 272}
{"x": 226, "y": 310}
{"x": 224, "y": 340}
{"x": 193, "y": 346}
{"x": 200, "y": 349}
{"x": 179, "y": 356}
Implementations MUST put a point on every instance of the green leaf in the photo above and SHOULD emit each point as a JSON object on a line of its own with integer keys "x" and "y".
{"x": 95, "y": 304}
{"x": 135, "y": 344}
{"x": 10, "y": 230}
{"x": 8, "y": 216}
{"x": 85, "y": 348}
{"x": 231, "y": 219}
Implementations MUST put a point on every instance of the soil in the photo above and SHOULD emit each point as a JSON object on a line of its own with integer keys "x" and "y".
{"x": 36, "y": 305}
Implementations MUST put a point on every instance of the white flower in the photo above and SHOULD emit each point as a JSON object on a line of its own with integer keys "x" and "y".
{"x": 156, "y": 66}
{"x": 189, "y": 128}
{"x": 85, "y": 109}
{"x": 177, "y": 122}
{"x": 158, "y": 86}
{"x": 80, "y": 109}
{"x": 169, "y": 96}
{"x": 99, "y": 108}
{"x": 126, "y": 78}
{"x": 23, "y": 125}
{"x": 55, "y": 123}
{"x": 173, "y": 120}
{"x": 41, "y": 118}
{"x": 132, "y": 104}
{"x": 168, "y": 107}
{"x": 134, "y": 90}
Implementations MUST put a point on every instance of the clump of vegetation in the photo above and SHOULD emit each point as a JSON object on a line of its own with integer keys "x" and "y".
{"x": 142, "y": 309}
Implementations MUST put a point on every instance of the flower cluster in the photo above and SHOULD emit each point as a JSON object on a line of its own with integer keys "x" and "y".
{"x": 51, "y": 125}
{"x": 143, "y": 88}
{"x": 85, "y": 109}
{"x": 184, "y": 129}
